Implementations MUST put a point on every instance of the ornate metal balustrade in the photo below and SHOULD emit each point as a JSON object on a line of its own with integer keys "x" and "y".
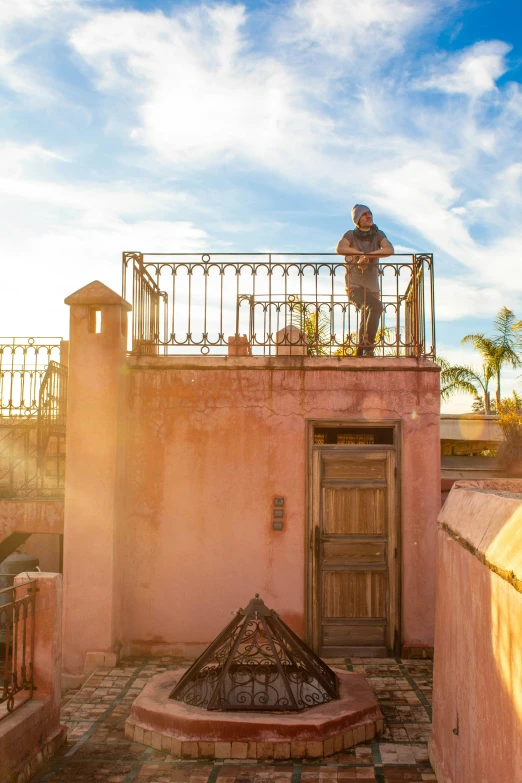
{"x": 267, "y": 304}
{"x": 17, "y": 630}
{"x": 52, "y": 410}
{"x": 23, "y": 364}
{"x": 19, "y": 457}
{"x": 33, "y": 395}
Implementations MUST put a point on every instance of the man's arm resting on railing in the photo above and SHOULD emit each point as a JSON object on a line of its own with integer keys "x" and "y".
{"x": 345, "y": 249}
{"x": 385, "y": 250}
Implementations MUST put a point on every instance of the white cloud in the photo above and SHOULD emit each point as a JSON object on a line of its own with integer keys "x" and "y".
{"x": 15, "y": 157}
{"x": 60, "y": 236}
{"x": 32, "y": 179}
{"x": 203, "y": 97}
{"x": 30, "y": 10}
{"x": 461, "y": 298}
{"x": 344, "y": 28}
{"x": 474, "y": 209}
{"x": 497, "y": 263}
{"x": 93, "y": 203}
{"x": 200, "y": 94}
{"x": 25, "y": 25}
{"x": 421, "y": 193}
{"x": 54, "y": 261}
{"x": 473, "y": 71}
{"x": 199, "y": 89}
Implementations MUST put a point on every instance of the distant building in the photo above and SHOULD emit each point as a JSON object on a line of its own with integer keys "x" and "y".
{"x": 465, "y": 440}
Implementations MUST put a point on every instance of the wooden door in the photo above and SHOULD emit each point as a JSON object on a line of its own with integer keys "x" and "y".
{"x": 355, "y": 558}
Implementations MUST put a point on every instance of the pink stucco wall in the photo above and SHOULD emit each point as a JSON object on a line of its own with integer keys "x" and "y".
{"x": 30, "y": 516}
{"x": 210, "y": 441}
{"x": 32, "y": 732}
{"x": 172, "y": 467}
{"x": 477, "y": 698}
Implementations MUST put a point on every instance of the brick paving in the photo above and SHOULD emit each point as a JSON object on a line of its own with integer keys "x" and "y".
{"x": 97, "y": 749}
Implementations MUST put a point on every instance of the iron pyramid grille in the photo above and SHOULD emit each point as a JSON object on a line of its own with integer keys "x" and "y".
{"x": 257, "y": 663}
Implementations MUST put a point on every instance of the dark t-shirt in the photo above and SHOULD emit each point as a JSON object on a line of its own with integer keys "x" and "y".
{"x": 364, "y": 276}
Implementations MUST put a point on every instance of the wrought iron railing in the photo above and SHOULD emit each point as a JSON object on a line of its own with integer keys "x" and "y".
{"x": 32, "y": 445}
{"x": 269, "y": 304}
{"x": 23, "y": 364}
{"x": 17, "y": 632}
{"x": 52, "y": 407}
{"x": 51, "y": 429}
{"x": 19, "y": 475}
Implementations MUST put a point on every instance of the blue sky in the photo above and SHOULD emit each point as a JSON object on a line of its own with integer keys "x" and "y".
{"x": 255, "y": 126}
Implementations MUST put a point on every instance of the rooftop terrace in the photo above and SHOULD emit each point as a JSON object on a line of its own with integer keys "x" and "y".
{"x": 97, "y": 748}
{"x": 265, "y": 304}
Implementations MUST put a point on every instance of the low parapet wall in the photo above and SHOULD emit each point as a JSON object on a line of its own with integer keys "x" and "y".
{"x": 477, "y": 699}
{"x": 32, "y": 733}
{"x": 25, "y": 515}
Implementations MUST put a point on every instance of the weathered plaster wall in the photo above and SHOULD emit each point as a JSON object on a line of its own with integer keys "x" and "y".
{"x": 477, "y": 699}
{"x": 210, "y": 441}
{"x": 30, "y": 516}
{"x": 47, "y": 548}
{"x": 33, "y": 733}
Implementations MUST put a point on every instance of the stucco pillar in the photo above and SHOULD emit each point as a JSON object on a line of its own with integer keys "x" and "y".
{"x": 96, "y": 397}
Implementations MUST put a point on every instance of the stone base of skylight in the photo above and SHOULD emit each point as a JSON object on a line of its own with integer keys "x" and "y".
{"x": 193, "y": 733}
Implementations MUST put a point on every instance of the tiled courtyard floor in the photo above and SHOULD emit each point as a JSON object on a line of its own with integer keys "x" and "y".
{"x": 97, "y": 749}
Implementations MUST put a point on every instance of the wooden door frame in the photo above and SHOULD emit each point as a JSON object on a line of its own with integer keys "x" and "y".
{"x": 309, "y": 541}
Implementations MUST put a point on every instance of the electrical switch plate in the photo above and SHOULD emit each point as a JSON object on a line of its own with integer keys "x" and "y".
{"x": 279, "y": 501}
{"x": 278, "y": 524}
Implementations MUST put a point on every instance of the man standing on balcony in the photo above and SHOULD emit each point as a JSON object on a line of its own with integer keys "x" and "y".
{"x": 362, "y": 248}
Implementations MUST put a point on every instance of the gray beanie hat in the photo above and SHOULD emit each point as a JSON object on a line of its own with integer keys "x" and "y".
{"x": 357, "y": 211}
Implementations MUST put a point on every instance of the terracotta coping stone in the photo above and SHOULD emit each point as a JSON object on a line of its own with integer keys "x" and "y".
{"x": 96, "y": 293}
{"x": 386, "y": 364}
{"x": 485, "y": 517}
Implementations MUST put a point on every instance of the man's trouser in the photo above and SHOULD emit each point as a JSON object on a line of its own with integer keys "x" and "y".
{"x": 370, "y": 311}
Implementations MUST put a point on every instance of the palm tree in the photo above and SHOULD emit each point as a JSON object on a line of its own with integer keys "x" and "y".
{"x": 502, "y": 348}
{"x": 385, "y": 339}
{"x": 510, "y": 422}
{"x": 455, "y": 378}
{"x": 313, "y": 322}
